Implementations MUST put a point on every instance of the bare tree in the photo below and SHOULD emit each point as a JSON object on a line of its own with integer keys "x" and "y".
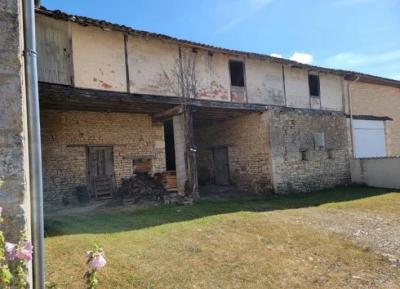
{"x": 183, "y": 84}
{"x": 183, "y": 81}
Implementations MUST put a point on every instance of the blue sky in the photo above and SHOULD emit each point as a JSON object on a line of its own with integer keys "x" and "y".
{"x": 360, "y": 35}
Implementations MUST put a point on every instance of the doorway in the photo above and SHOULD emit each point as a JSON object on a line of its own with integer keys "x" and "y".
{"x": 221, "y": 166}
{"x": 169, "y": 145}
{"x": 101, "y": 171}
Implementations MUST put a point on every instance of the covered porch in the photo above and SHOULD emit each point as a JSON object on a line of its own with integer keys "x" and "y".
{"x": 96, "y": 138}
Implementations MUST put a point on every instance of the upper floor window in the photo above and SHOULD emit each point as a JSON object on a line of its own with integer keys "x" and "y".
{"x": 313, "y": 83}
{"x": 236, "y": 69}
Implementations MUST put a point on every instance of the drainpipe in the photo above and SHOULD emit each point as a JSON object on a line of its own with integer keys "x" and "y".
{"x": 351, "y": 114}
{"x": 35, "y": 153}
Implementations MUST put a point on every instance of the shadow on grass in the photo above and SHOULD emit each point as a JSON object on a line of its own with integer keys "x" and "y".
{"x": 116, "y": 220}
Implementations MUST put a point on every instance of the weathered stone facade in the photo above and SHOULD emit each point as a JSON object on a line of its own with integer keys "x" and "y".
{"x": 247, "y": 140}
{"x": 14, "y": 185}
{"x": 309, "y": 150}
{"x": 67, "y": 134}
{"x": 299, "y": 143}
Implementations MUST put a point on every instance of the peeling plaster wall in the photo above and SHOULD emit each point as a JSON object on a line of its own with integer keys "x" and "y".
{"x": 153, "y": 66}
{"x": 99, "y": 63}
{"x": 212, "y": 74}
{"x": 98, "y": 58}
{"x": 264, "y": 82}
{"x": 297, "y": 92}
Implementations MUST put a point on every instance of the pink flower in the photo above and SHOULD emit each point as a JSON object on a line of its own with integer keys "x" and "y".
{"x": 97, "y": 260}
{"x": 89, "y": 254}
{"x": 25, "y": 250}
{"x": 11, "y": 251}
{"x": 1, "y": 211}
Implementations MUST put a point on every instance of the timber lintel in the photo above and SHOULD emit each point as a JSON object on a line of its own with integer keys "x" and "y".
{"x": 168, "y": 114}
{"x": 64, "y": 96}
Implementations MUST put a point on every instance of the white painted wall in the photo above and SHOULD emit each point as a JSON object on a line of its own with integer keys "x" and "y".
{"x": 264, "y": 82}
{"x": 297, "y": 91}
{"x": 369, "y": 138}
{"x": 331, "y": 92}
{"x": 378, "y": 172}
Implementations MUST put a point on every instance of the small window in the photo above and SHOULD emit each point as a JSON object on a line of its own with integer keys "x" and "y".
{"x": 305, "y": 155}
{"x": 319, "y": 141}
{"x": 313, "y": 83}
{"x": 236, "y": 69}
{"x": 331, "y": 154}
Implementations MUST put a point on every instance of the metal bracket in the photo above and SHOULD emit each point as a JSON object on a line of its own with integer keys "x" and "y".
{"x": 30, "y": 52}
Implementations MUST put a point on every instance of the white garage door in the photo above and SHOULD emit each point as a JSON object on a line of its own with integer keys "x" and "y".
{"x": 369, "y": 138}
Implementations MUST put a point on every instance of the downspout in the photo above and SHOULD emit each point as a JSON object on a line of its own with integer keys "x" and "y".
{"x": 351, "y": 114}
{"x": 35, "y": 153}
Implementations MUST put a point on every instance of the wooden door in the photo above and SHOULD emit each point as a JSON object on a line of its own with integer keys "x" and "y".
{"x": 101, "y": 171}
{"x": 221, "y": 166}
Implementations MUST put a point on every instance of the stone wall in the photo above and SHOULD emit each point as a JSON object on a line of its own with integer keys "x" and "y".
{"x": 247, "y": 140}
{"x": 309, "y": 150}
{"x": 66, "y": 135}
{"x": 14, "y": 186}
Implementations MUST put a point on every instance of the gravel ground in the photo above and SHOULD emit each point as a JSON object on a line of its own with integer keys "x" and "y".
{"x": 378, "y": 233}
{"x": 381, "y": 233}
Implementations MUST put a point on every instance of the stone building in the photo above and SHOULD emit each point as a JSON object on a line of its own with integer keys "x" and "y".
{"x": 113, "y": 97}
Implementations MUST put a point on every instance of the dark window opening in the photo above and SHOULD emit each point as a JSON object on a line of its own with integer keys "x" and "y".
{"x": 305, "y": 155}
{"x": 331, "y": 154}
{"x": 169, "y": 145}
{"x": 313, "y": 83}
{"x": 236, "y": 69}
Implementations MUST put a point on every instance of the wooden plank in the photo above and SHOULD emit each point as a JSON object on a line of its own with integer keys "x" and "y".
{"x": 128, "y": 85}
{"x": 54, "y": 51}
{"x": 221, "y": 166}
{"x": 56, "y": 93}
{"x": 168, "y": 114}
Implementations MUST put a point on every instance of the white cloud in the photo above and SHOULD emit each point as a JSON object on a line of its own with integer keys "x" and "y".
{"x": 276, "y": 55}
{"x": 351, "y": 60}
{"x": 301, "y": 57}
{"x": 396, "y": 76}
{"x": 238, "y": 11}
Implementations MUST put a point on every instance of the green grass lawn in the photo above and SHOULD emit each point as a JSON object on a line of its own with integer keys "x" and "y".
{"x": 221, "y": 244}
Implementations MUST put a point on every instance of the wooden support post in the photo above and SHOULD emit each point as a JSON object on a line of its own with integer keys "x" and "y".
{"x": 191, "y": 185}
